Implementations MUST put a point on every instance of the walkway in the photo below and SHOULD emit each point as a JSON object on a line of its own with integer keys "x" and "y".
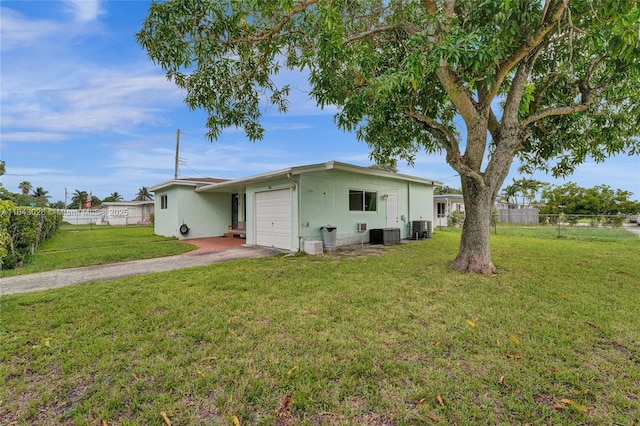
{"x": 210, "y": 250}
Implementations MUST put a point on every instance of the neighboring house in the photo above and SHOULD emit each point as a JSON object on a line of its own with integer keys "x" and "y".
{"x": 285, "y": 208}
{"x": 444, "y": 206}
{"x": 127, "y": 212}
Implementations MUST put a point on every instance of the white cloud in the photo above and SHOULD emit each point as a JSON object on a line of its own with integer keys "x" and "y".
{"x": 35, "y": 137}
{"x": 19, "y": 32}
{"x": 98, "y": 102}
{"x": 84, "y": 10}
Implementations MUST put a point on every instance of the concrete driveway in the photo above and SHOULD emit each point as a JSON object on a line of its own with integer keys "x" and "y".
{"x": 65, "y": 277}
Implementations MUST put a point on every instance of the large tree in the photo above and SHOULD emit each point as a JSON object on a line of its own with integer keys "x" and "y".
{"x": 552, "y": 82}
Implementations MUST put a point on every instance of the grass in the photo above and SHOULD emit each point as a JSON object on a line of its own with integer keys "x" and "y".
{"x": 83, "y": 245}
{"x": 580, "y": 232}
{"x": 392, "y": 339}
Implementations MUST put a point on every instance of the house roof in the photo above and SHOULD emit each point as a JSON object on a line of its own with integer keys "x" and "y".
{"x": 127, "y": 203}
{"x": 448, "y": 196}
{"x": 294, "y": 171}
{"x": 194, "y": 182}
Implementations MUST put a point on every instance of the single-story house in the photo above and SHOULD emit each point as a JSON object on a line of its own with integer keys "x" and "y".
{"x": 127, "y": 212}
{"x": 286, "y": 208}
{"x": 444, "y": 206}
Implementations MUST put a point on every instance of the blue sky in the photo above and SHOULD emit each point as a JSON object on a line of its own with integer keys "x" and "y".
{"x": 82, "y": 108}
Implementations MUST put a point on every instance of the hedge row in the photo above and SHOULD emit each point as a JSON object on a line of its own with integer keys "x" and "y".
{"x": 22, "y": 229}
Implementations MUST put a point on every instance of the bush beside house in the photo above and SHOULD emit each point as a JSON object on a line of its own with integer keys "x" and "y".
{"x": 22, "y": 229}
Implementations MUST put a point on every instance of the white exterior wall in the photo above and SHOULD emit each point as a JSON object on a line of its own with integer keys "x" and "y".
{"x": 325, "y": 201}
{"x": 165, "y": 220}
{"x": 125, "y": 213}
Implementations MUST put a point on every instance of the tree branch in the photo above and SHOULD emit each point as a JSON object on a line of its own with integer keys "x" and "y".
{"x": 266, "y": 35}
{"x": 550, "y": 18}
{"x": 554, "y": 112}
{"x": 441, "y": 132}
{"x": 371, "y": 32}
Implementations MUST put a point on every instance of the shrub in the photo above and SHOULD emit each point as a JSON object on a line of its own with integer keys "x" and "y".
{"x": 456, "y": 218}
{"x": 24, "y": 230}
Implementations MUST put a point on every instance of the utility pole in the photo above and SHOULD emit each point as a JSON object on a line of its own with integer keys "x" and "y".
{"x": 177, "y": 153}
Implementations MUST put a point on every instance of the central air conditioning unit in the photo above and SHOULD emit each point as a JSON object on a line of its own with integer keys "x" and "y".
{"x": 362, "y": 227}
{"x": 420, "y": 229}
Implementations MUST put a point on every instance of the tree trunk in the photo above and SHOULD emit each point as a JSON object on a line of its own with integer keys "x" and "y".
{"x": 475, "y": 253}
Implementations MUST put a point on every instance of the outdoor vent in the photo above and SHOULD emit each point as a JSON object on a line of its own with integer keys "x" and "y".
{"x": 361, "y": 227}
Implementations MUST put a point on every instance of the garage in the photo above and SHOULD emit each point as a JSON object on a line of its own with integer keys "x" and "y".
{"x": 273, "y": 218}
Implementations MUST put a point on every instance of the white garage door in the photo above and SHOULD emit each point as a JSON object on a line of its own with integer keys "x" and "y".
{"x": 273, "y": 219}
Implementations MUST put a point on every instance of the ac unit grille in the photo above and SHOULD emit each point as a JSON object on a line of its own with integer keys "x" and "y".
{"x": 420, "y": 229}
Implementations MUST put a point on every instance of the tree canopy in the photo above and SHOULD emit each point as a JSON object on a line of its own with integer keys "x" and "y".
{"x": 551, "y": 82}
{"x": 599, "y": 200}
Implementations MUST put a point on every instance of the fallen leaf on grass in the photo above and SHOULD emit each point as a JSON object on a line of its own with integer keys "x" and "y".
{"x": 290, "y": 372}
{"x": 165, "y": 418}
{"x": 434, "y": 419}
{"x": 283, "y": 410}
{"x": 436, "y": 344}
{"x": 594, "y": 325}
{"x": 553, "y": 370}
{"x": 559, "y": 406}
{"x": 575, "y": 405}
{"x": 513, "y": 356}
{"x": 104, "y": 423}
{"x": 440, "y": 401}
{"x": 236, "y": 421}
{"x": 209, "y": 358}
{"x": 471, "y": 323}
{"x": 514, "y": 339}
{"x": 501, "y": 380}
{"x": 419, "y": 403}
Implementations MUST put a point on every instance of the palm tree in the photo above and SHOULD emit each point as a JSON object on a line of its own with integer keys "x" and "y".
{"x": 39, "y": 192}
{"x": 78, "y": 200}
{"x": 143, "y": 195}
{"x": 510, "y": 192}
{"x": 113, "y": 197}
{"x": 25, "y": 187}
{"x": 41, "y": 196}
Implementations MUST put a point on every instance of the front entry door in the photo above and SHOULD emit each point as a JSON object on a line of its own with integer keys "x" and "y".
{"x": 392, "y": 211}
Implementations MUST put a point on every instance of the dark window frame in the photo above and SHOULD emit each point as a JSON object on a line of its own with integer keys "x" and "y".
{"x": 361, "y": 200}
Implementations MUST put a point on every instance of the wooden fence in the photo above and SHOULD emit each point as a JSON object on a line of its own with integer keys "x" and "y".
{"x": 524, "y": 216}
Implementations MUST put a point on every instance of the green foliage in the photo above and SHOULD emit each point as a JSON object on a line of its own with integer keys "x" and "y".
{"x": 599, "y": 200}
{"x": 527, "y": 188}
{"x": 26, "y": 228}
{"x": 143, "y": 195}
{"x": 6, "y": 207}
{"x": 456, "y": 218}
{"x": 393, "y": 68}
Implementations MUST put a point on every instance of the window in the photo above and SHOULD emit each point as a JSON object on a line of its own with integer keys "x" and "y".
{"x": 163, "y": 202}
{"x": 362, "y": 201}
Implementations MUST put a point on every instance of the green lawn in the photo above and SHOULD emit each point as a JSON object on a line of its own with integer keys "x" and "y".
{"x": 84, "y": 245}
{"x": 392, "y": 339}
